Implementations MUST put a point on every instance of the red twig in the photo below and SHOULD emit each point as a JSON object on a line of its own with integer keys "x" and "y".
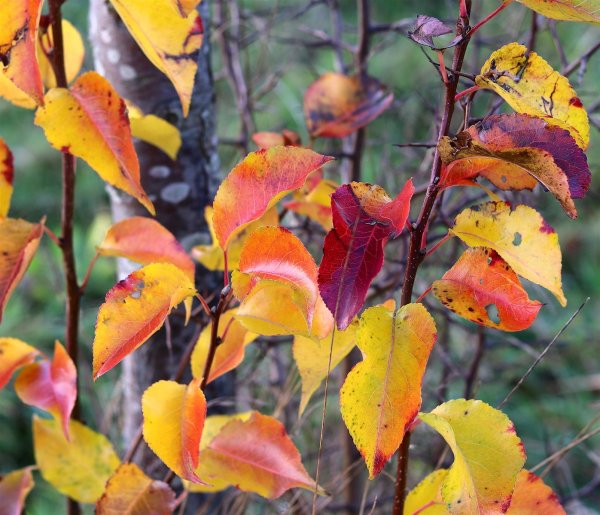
{"x": 466, "y": 92}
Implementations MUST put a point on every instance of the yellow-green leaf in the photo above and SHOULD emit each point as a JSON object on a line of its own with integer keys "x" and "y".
{"x": 567, "y": 10}
{"x": 425, "y": 498}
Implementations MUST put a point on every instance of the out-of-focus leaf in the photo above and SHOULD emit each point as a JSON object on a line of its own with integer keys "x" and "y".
{"x": 7, "y": 174}
{"x": 174, "y": 416}
{"x": 480, "y": 279}
{"x": 427, "y": 28}
{"x": 78, "y": 468}
{"x": 274, "y": 139}
{"x": 134, "y": 309}
{"x": 89, "y": 120}
{"x": 19, "y": 241}
{"x": 257, "y": 184}
{"x": 567, "y": 10}
{"x": 316, "y": 203}
{"x": 522, "y": 238}
{"x": 50, "y": 386}
{"x": 155, "y": 130}
{"x": 15, "y": 354}
{"x": 336, "y": 105}
{"x": 531, "y": 86}
{"x": 14, "y": 488}
{"x": 169, "y": 39}
{"x": 532, "y": 497}
{"x": 381, "y": 396}
{"x": 131, "y": 492}
{"x": 74, "y": 53}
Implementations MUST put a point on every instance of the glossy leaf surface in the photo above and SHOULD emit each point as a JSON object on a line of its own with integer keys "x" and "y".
{"x": 15, "y": 354}
{"x": 14, "y": 488}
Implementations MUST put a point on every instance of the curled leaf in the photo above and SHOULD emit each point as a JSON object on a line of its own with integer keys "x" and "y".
{"x": 427, "y": 28}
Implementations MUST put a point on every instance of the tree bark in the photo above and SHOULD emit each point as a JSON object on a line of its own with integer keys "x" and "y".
{"x": 179, "y": 189}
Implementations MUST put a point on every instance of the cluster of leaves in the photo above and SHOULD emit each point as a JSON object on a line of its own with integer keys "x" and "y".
{"x": 276, "y": 287}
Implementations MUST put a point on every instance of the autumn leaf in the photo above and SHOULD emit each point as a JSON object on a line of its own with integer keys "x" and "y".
{"x": 50, "y": 386}
{"x": 481, "y": 279}
{"x": 488, "y": 455}
{"x": 312, "y": 358}
{"x": 134, "y": 309}
{"x": 14, "y": 488}
{"x": 19, "y": 241}
{"x": 230, "y": 352}
{"x": 426, "y": 497}
{"x": 364, "y": 217}
{"x": 257, "y": 184}
{"x": 255, "y": 455}
{"x": 174, "y": 416}
{"x": 89, "y": 120}
{"x": 7, "y": 173}
{"x": 532, "y": 496}
{"x": 78, "y": 468}
{"x": 131, "y": 492}
{"x": 381, "y": 396}
{"x": 531, "y": 86}
{"x": 18, "y": 35}
{"x": 427, "y": 28}
{"x": 15, "y": 354}
{"x": 336, "y": 105}
{"x": 274, "y": 139}
{"x": 145, "y": 241}
{"x": 567, "y": 10}
{"x": 169, "y": 39}
{"x": 515, "y": 151}
{"x": 522, "y": 238}
{"x": 186, "y": 6}
{"x": 316, "y": 203}
{"x": 74, "y": 53}
{"x": 154, "y": 130}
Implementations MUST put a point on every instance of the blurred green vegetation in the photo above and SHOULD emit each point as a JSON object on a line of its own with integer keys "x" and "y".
{"x": 554, "y": 404}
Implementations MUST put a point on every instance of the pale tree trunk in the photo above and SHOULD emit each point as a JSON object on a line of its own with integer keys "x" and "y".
{"x": 179, "y": 190}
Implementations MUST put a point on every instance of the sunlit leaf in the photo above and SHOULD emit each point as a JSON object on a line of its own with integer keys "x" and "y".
{"x": 230, "y": 352}
{"x": 89, "y": 120}
{"x": 532, "y": 497}
{"x": 274, "y": 139}
{"x": 15, "y": 354}
{"x": 174, "y": 416}
{"x": 18, "y": 34}
{"x": 316, "y": 203}
{"x": 426, "y": 497}
{"x": 381, "y": 396}
{"x": 14, "y": 488}
{"x": 531, "y": 86}
{"x": 481, "y": 279}
{"x": 50, "y": 386}
{"x": 522, "y": 238}
{"x": 567, "y": 10}
{"x": 134, "y": 309}
{"x": 169, "y": 39}
{"x": 488, "y": 455}
{"x": 78, "y": 468}
{"x": 515, "y": 151}
{"x": 19, "y": 241}
{"x": 74, "y": 53}
{"x": 257, "y": 184}
{"x": 155, "y": 131}
{"x": 255, "y": 455}
{"x": 131, "y": 492}
{"x": 7, "y": 173}
{"x": 336, "y": 105}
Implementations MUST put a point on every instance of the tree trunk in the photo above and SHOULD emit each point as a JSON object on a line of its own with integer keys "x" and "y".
{"x": 179, "y": 189}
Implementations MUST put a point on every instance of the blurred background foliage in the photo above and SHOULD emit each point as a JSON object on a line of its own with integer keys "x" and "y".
{"x": 553, "y": 405}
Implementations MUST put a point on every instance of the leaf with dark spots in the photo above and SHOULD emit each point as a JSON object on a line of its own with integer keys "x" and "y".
{"x": 426, "y": 28}
{"x": 7, "y": 173}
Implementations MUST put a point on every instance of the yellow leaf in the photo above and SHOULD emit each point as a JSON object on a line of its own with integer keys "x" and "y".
{"x": 229, "y": 353}
{"x": 521, "y": 237}
{"x": 155, "y": 130}
{"x": 15, "y": 354}
{"x": 89, "y": 121}
{"x": 488, "y": 455}
{"x": 7, "y": 173}
{"x": 131, "y": 492}
{"x": 567, "y": 10}
{"x": 531, "y": 86}
{"x": 14, "y": 95}
{"x": 79, "y": 468}
{"x": 74, "y": 53}
{"x": 315, "y": 204}
{"x": 425, "y": 498}
{"x": 312, "y": 357}
{"x": 169, "y": 40}
{"x": 174, "y": 417}
{"x": 381, "y": 396}
{"x": 134, "y": 309}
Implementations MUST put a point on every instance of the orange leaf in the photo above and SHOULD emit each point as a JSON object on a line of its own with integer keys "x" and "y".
{"x": 7, "y": 172}
{"x": 174, "y": 416}
{"x": 134, "y": 310}
{"x": 14, "y": 488}
{"x": 336, "y": 105}
{"x": 258, "y": 183}
{"x": 15, "y": 354}
{"x": 18, "y": 34}
{"x": 90, "y": 121}
{"x": 145, "y": 241}
{"x": 50, "y": 386}
{"x": 274, "y": 139}
{"x": 131, "y": 492}
{"x": 255, "y": 455}
{"x": 19, "y": 241}
{"x": 480, "y": 279}
{"x": 532, "y": 496}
